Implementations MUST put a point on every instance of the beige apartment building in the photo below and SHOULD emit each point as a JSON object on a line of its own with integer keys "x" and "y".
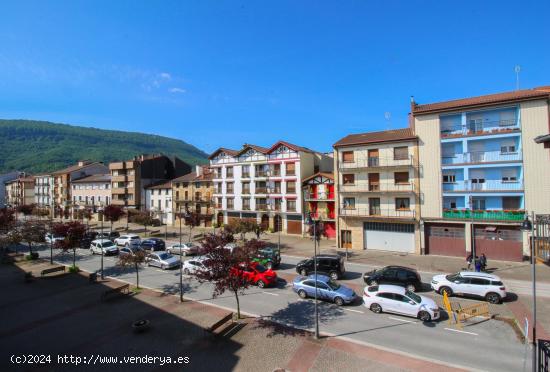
{"x": 376, "y": 182}
{"x": 20, "y": 191}
{"x": 91, "y": 192}
{"x": 194, "y": 192}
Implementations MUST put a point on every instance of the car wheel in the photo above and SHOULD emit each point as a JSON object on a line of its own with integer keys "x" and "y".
{"x": 302, "y": 293}
{"x": 92, "y": 251}
{"x": 163, "y": 267}
{"x": 333, "y": 275}
{"x": 338, "y": 301}
{"x": 375, "y": 308}
{"x": 373, "y": 282}
{"x": 303, "y": 272}
{"x": 493, "y": 298}
{"x": 261, "y": 284}
{"x": 269, "y": 265}
{"x": 411, "y": 287}
{"x": 424, "y": 316}
{"x": 446, "y": 290}
{"x": 184, "y": 253}
{"x": 186, "y": 271}
{"x": 126, "y": 245}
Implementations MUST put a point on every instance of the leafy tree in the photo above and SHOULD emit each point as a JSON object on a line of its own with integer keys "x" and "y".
{"x": 144, "y": 219}
{"x": 40, "y": 212}
{"x": 25, "y": 209}
{"x": 223, "y": 266}
{"x": 73, "y": 232}
{"x": 85, "y": 214}
{"x": 112, "y": 213}
{"x": 7, "y": 219}
{"x": 134, "y": 260}
{"x": 192, "y": 219}
{"x": 33, "y": 232}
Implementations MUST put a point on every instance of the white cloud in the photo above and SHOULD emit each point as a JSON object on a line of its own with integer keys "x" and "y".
{"x": 165, "y": 76}
{"x": 176, "y": 90}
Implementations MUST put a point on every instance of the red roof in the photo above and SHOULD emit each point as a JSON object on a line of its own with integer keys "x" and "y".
{"x": 395, "y": 135}
{"x": 490, "y": 99}
{"x": 290, "y": 146}
{"x": 223, "y": 149}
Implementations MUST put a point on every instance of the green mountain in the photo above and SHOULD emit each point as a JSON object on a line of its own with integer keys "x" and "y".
{"x": 41, "y": 146}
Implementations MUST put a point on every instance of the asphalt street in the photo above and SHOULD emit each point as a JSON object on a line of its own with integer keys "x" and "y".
{"x": 487, "y": 345}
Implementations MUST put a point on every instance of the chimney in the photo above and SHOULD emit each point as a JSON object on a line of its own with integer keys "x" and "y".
{"x": 82, "y": 163}
{"x": 198, "y": 170}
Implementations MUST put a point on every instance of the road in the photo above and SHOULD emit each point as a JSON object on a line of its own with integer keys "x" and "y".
{"x": 489, "y": 345}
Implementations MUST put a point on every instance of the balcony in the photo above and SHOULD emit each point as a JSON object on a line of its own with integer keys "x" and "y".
{"x": 377, "y": 162}
{"x": 378, "y": 188}
{"x": 246, "y": 175}
{"x": 493, "y": 215}
{"x": 487, "y": 186}
{"x": 261, "y": 207}
{"x": 323, "y": 215}
{"x": 319, "y": 196}
{"x": 261, "y": 190}
{"x": 291, "y": 190}
{"x": 482, "y": 128}
{"x": 246, "y": 191}
{"x": 274, "y": 190}
{"x": 118, "y": 190}
{"x": 261, "y": 173}
{"x": 481, "y": 157}
{"x": 376, "y": 212}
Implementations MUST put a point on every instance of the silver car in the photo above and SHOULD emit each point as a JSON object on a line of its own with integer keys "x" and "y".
{"x": 104, "y": 246}
{"x": 164, "y": 260}
{"x": 186, "y": 249}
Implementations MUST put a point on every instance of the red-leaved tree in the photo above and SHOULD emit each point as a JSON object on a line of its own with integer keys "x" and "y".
{"x": 73, "y": 232}
{"x": 112, "y": 213}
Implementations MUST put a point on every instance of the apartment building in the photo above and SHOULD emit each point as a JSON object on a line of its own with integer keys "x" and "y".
{"x": 91, "y": 192}
{"x": 193, "y": 192}
{"x": 264, "y": 184}
{"x": 6, "y": 177}
{"x": 158, "y": 201}
{"x": 376, "y": 181}
{"x": 43, "y": 191}
{"x": 481, "y": 172}
{"x": 20, "y": 191}
{"x": 319, "y": 201}
{"x": 130, "y": 178}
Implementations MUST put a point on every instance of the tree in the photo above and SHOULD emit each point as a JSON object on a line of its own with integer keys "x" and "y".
{"x": 223, "y": 267}
{"x": 144, "y": 219}
{"x": 73, "y": 232}
{"x": 85, "y": 214}
{"x": 7, "y": 219}
{"x": 192, "y": 219}
{"x": 33, "y": 232}
{"x": 112, "y": 213}
{"x": 40, "y": 212}
{"x": 134, "y": 260}
{"x": 25, "y": 209}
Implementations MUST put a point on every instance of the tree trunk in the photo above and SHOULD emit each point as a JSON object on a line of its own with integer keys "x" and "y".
{"x": 30, "y": 248}
{"x": 74, "y": 257}
{"x": 137, "y": 276}
{"x": 238, "y": 305}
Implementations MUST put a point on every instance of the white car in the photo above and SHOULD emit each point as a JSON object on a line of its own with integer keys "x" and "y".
{"x": 471, "y": 283}
{"x": 128, "y": 240}
{"x": 162, "y": 259}
{"x": 191, "y": 267}
{"x": 104, "y": 246}
{"x": 395, "y": 299}
{"x": 51, "y": 238}
{"x": 185, "y": 249}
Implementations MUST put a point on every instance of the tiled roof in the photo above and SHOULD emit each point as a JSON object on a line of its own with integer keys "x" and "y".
{"x": 189, "y": 177}
{"x": 94, "y": 178}
{"x": 163, "y": 185}
{"x": 290, "y": 146}
{"x": 73, "y": 168}
{"x": 257, "y": 148}
{"x": 227, "y": 151}
{"x": 330, "y": 176}
{"x": 404, "y": 134}
{"x": 490, "y": 99}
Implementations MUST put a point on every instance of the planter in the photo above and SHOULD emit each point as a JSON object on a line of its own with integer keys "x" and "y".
{"x": 141, "y": 325}
{"x": 28, "y": 277}
{"x": 74, "y": 269}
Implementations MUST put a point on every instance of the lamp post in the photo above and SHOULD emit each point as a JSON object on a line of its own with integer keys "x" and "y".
{"x": 311, "y": 222}
{"x": 101, "y": 212}
{"x": 530, "y": 226}
{"x": 181, "y": 263}
{"x": 51, "y": 239}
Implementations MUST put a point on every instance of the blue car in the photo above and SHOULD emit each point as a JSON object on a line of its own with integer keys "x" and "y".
{"x": 327, "y": 289}
{"x": 153, "y": 244}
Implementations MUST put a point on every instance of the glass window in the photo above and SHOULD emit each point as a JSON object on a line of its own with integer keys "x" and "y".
{"x": 290, "y": 169}
{"x": 449, "y": 178}
{"x": 349, "y": 203}
{"x": 347, "y": 156}
{"x": 230, "y": 203}
{"x": 401, "y": 177}
{"x": 348, "y": 179}
{"x": 413, "y": 296}
{"x": 400, "y": 153}
{"x": 402, "y": 204}
{"x": 291, "y": 187}
{"x": 291, "y": 205}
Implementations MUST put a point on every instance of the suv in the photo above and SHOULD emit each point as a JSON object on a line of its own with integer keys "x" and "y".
{"x": 108, "y": 235}
{"x": 327, "y": 264}
{"x": 269, "y": 257}
{"x": 153, "y": 244}
{"x": 103, "y": 246}
{"x": 128, "y": 240}
{"x": 396, "y": 275}
{"x": 470, "y": 283}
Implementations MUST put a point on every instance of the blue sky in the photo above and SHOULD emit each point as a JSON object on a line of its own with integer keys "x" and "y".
{"x": 222, "y": 73}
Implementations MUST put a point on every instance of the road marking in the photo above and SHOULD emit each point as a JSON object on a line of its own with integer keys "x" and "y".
{"x": 402, "y": 320}
{"x": 269, "y": 293}
{"x": 355, "y": 311}
{"x": 456, "y": 330}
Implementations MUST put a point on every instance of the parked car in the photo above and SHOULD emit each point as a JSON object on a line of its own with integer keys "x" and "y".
{"x": 231, "y": 247}
{"x": 104, "y": 246}
{"x": 164, "y": 260}
{"x": 396, "y": 275}
{"x": 51, "y": 238}
{"x": 108, "y": 235}
{"x": 327, "y": 289}
{"x": 256, "y": 274}
{"x": 186, "y": 249}
{"x": 128, "y": 240}
{"x": 194, "y": 265}
{"x": 153, "y": 244}
{"x": 269, "y": 257}
{"x": 88, "y": 238}
{"x": 331, "y": 265}
{"x": 473, "y": 284}
{"x": 128, "y": 251}
{"x": 396, "y": 299}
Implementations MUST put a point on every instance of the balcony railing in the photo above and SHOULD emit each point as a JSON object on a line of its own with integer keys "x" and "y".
{"x": 488, "y": 185}
{"x": 246, "y": 191}
{"x": 481, "y": 157}
{"x": 319, "y": 196}
{"x": 291, "y": 190}
{"x": 261, "y": 190}
{"x": 323, "y": 215}
{"x": 261, "y": 173}
{"x": 486, "y": 127}
{"x": 377, "y": 162}
{"x": 497, "y": 215}
{"x": 245, "y": 175}
{"x": 261, "y": 207}
{"x": 378, "y": 188}
{"x": 274, "y": 190}
{"x": 377, "y": 212}
{"x": 275, "y": 173}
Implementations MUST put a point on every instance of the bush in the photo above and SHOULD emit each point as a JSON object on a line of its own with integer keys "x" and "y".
{"x": 74, "y": 269}
{"x": 31, "y": 256}
{"x": 215, "y": 225}
{"x": 271, "y": 230}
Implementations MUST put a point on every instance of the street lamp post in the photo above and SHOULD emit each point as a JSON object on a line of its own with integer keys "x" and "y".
{"x": 102, "y": 275}
{"x": 181, "y": 263}
{"x": 51, "y": 239}
{"x": 311, "y": 222}
{"x": 530, "y": 226}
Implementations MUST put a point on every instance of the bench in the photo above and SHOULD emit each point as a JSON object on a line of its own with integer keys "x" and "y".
{"x": 153, "y": 232}
{"x": 114, "y": 292}
{"x": 120, "y": 228}
{"x": 52, "y": 270}
{"x": 220, "y": 322}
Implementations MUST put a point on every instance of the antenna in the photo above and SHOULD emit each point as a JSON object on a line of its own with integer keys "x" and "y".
{"x": 517, "y": 69}
{"x": 387, "y": 115}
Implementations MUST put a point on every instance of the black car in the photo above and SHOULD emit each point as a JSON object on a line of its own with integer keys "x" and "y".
{"x": 87, "y": 239}
{"x": 108, "y": 235}
{"x": 396, "y": 275}
{"x": 153, "y": 244}
{"x": 327, "y": 264}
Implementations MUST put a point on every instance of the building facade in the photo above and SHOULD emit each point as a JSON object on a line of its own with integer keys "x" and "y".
{"x": 158, "y": 201}
{"x": 194, "y": 193}
{"x": 7, "y": 177}
{"x": 319, "y": 198}
{"x": 130, "y": 178}
{"x": 377, "y": 191}
{"x": 264, "y": 184}
{"x": 91, "y": 192}
{"x": 481, "y": 172}
{"x": 43, "y": 191}
{"x": 20, "y": 191}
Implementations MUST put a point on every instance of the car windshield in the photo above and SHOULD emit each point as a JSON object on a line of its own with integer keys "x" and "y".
{"x": 333, "y": 285}
{"x": 261, "y": 269}
{"x": 413, "y": 296}
{"x": 107, "y": 244}
{"x": 164, "y": 256}
{"x": 453, "y": 277}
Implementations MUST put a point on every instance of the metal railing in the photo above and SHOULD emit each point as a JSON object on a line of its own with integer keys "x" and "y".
{"x": 319, "y": 195}
{"x": 375, "y": 162}
{"x": 496, "y": 215}
{"x": 377, "y": 212}
{"x": 377, "y": 188}
{"x": 481, "y": 157}
{"x": 488, "y": 185}
{"x": 485, "y": 127}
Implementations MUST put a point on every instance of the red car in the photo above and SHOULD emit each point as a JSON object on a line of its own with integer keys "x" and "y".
{"x": 256, "y": 274}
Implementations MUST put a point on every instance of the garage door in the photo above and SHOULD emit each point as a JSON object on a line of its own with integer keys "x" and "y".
{"x": 294, "y": 227}
{"x": 445, "y": 240}
{"x": 395, "y": 237}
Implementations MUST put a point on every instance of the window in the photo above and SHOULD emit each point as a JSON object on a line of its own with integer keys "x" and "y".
{"x": 291, "y": 187}
{"x": 229, "y": 172}
{"x": 291, "y": 205}
{"x": 177, "y": 195}
{"x": 246, "y": 171}
{"x": 478, "y": 203}
{"x": 509, "y": 175}
{"x": 400, "y": 153}
{"x": 276, "y": 170}
{"x": 277, "y": 187}
{"x": 230, "y": 187}
{"x": 511, "y": 202}
{"x": 230, "y": 203}
{"x": 218, "y": 202}
{"x": 401, "y": 177}
{"x": 348, "y": 179}
{"x": 349, "y": 203}
{"x": 246, "y": 204}
{"x": 246, "y": 187}
{"x": 346, "y": 238}
{"x": 218, "y": 173}
{"x": 449, "y": 178}
{"x": 347, "y": 156}
{"x": 449, "y": 203}
{"x": 402, "y": 204}
{"x": 166, "y": 203}
{"x": 479, "y": 281}
{"x": 508, "y": 149}
{"x": 159, "y": 205}
{"x": 290, "y": 169}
